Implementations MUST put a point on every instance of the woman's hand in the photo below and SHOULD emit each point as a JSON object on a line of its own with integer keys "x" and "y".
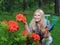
{"x": 25, "y": 23}
{"x": 26, "y": 27}
{"x": 46, "y": 35}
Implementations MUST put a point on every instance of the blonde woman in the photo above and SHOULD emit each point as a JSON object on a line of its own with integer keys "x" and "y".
{"x": 38, "y": 25}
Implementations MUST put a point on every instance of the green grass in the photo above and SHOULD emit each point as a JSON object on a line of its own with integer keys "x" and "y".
{"x": 55, "y": 32}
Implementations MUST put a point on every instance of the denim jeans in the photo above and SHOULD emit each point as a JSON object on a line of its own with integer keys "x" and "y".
{"x": 48, "y": 42}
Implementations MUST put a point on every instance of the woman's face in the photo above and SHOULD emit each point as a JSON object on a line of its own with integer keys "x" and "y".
{"x": 37, "y": 17}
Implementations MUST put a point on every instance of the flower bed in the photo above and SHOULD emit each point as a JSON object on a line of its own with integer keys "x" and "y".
{"x": 10, "y": 34}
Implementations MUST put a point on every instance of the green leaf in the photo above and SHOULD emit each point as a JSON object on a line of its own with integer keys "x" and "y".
{"x": 23, "y": 38}
{"x": 17, "y": 39}
{"x": 35, "y": 43}
{"x": 4, "y": 26}
{"x": 3, "y": 38}
{"x": 46, "y": 39}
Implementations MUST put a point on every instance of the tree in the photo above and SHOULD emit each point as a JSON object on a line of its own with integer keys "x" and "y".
{"x": 40, "y": 3}
{"x": 57, "y": 7}
{"x": 8, "y": 4}
{"x": 25, "y": 5}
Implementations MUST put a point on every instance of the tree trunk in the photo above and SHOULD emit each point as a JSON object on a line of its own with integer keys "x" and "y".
{"x": 40, "y": 3}
{"x": 8, "y": 4}
{"x": 25, "y": 5}
{"x": 57, "y": 7}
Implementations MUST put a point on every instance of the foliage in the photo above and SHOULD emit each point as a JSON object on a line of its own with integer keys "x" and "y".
{"x": 10, "y": 33}
{"x": 17, "y": 5}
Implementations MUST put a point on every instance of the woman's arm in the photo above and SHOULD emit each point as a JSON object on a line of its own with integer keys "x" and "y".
{"x": 26, "y": 27}
{"x": 46, "y": 33}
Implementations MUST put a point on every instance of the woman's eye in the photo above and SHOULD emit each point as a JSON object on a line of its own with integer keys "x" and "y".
{"x": 38, "y": 15}
{"x": 34, "y": 15}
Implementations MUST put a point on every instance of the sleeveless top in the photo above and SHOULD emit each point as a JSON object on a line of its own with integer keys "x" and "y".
{"x": 37, "y": 31}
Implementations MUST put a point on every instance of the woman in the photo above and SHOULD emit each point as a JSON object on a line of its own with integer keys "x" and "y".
{"x": 38, "y": 25}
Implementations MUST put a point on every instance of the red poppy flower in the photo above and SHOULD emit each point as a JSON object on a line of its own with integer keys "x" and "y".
{"x": 23, "y": 19}
{"x": 12, "y": 22}
{"x": 20, "y": 17}
{"x": 5, "y": 22}
{"x": 36, "y": 37}
{"x": 24, "y": 32}
{"x": 13, "y": 26}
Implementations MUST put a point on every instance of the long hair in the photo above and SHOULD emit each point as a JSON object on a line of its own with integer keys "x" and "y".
{"x": 42, "y": 22}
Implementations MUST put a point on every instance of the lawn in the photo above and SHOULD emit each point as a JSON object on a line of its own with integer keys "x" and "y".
{"x": 55, "y": 32}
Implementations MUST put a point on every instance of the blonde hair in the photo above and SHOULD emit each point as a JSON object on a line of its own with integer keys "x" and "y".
{"x": 42, "y": 22}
